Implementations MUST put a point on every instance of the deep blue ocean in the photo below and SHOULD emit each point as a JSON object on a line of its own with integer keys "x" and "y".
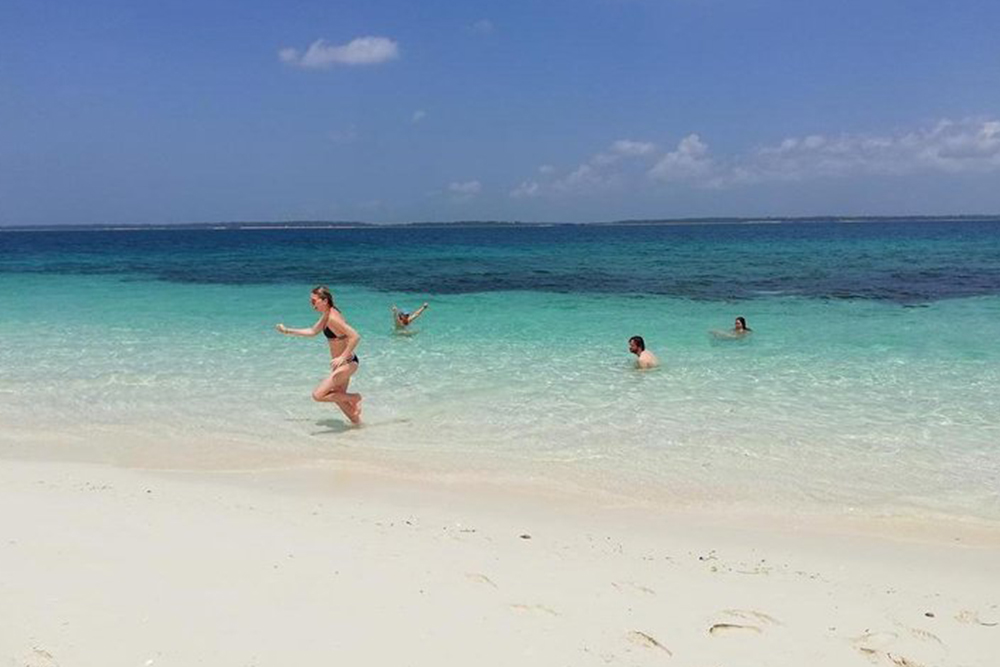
{"x": 892, "y": 261}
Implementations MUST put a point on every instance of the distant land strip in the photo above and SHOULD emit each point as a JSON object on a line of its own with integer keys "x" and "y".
{"x": 344, "y": 224}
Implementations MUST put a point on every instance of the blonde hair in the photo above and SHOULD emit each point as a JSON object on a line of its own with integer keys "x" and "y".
{"x": 323, "y": 292}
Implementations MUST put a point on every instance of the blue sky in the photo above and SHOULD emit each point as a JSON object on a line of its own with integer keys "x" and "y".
{"x": 551, "y": 110}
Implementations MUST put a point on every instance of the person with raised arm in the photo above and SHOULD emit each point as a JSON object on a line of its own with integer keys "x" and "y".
{"x": 403, "y": 319}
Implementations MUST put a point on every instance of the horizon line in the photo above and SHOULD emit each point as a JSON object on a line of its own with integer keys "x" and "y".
{"x": 251, "y": 225}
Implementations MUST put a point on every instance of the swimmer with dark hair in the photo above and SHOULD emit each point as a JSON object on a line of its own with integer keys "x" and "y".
{"x": 739, "y": 330}
{"x": 402, "y": 319}
{"x": 646, "y": 359}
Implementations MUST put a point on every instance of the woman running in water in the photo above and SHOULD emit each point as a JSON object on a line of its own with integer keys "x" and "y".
{"x": 342, "y": 340}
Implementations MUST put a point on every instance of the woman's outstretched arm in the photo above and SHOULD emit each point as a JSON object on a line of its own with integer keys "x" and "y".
{"x": 306, "y": 333}
{"x": 418, "y": 312}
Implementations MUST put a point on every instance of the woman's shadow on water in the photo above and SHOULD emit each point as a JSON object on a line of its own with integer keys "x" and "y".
{"x": 334, "y": 426}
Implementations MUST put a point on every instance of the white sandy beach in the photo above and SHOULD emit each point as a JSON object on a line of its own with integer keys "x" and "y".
{"x": 109, "y": 566}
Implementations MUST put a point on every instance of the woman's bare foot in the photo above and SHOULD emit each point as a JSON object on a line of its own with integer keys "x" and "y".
{"x": 354, "y": 411}
{"x": 349, "y": 404}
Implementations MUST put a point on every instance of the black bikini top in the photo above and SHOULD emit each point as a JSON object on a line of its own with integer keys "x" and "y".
{"x": 330, "y": 333}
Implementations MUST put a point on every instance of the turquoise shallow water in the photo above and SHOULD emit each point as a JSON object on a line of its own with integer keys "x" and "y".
{"x": 869, "y": 405}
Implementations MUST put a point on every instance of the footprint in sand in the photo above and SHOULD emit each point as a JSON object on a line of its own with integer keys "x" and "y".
{"x": 38, "y": 657}
{"x": 534, "y": 608}
{"x": 874, "y": 646}
{"x": 754, "y": 622}
{"x": 646, "y": 641}
{"x": 733, "y": 628}
{"x": 875, "y": 641}
{"x": 973, "y": 618}
{"x": 479, "y": 579}
{"x": 925, "y": 636}
{"x": 752, "y": 615}
{"x": 632, "y": 586}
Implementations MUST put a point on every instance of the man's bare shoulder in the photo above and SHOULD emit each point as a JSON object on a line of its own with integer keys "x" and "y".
{"x": 648, "y": 360}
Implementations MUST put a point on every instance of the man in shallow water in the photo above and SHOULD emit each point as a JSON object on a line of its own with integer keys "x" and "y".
{"x": 637, "y": 346}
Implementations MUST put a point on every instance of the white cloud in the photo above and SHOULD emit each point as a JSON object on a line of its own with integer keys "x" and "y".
{"x": 955, "y": 147}
{"x": 947, "y": 146}
{"x": 601, "y": 171}
{"x": 288, "y": 55}
{"x": 526, "y": 189}
{"x": 631, "y": 148}
{"x": 690, "y": 161}
{"x": 464, "y": 190}
{"x": 585, "y": 178}
{"x": 418, "y": 116}
{"x": 980, "y": 142}
{"x": 623, "y": 148}
{"x": 359, "y": 51}
{"x": 482, "y": 27}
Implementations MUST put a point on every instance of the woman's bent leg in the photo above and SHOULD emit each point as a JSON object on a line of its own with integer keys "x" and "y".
{"x": 334, "y": 390}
